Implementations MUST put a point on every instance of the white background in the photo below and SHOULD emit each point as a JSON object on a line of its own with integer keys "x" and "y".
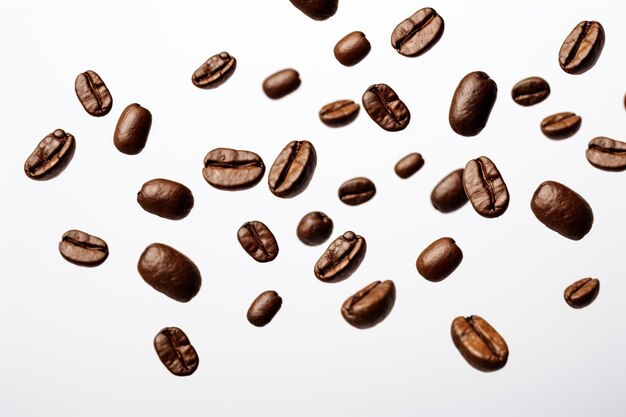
{"x": 78, "y": 341}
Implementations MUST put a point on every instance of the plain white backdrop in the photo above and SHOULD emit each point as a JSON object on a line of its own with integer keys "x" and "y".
{"x": 78, "y": 341}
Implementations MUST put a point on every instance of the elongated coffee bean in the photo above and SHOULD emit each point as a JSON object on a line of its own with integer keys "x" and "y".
{"x": 479, "y": 343}
{"x": 281, "y": 83}
{"x": 166, "y": 198}
{"x": 51, "y": 156}
{"x": 409, "y": 165}
{"x": 83, "y": 249}
{"x": 317, "y": 9}
{"x": 293, "y": 169}
{"x": 371, "y": 305}
{"x": 417, "y": 34}
{"x": 357, "y": 191}
{"x": 383, "y": 106}
{"x": 471, "y": 104}
{"x": 607, "y": 154}
{"x": 132, "y": 129}
{"x": 341, "y": 259}
{"x": 258, "y": 241}
{"x": 485, "y": 187}
{"x": 582, "y": 293}
{"x": 215, "y": 71}
{"x": 93, "y": 94}
{"x": 315, "y": 228}
{"x": 339, "y": 113}
{"x": 439, "y": 259}
{"x": 232, "y": 170}
{"x": 530, "y": 91}
{"x": 582, "y": 47}
{"x": 264, "y": 308}
{"x": 352, "y": 49}
{"x": 449, "y": 194}
{"x": 561, "y": 125}
{"x": 176, "y": 352}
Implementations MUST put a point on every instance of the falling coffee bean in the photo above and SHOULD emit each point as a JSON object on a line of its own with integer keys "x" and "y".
{"x": 341, "y": 259}
{"x": 409, "y": 165}
{"x": 264, "y": 308}
{"x": 479, "y": 343}
{"x": 215, "y": 71}
{"x": 176, "y": 352}
{"x": 281, "y": 83}
{"x": 258, "y": 241}
{"x": 83, "y": 249}
{"x": 561, "y": 125}
{"x": 317, "y": 9}
{"x": 607, "y": 154}
{"x": 582, "y": 293}
{"x": 418, "y": 34}
{"x": 339, "y": 113}
{"x": 357, "y": 191}
{"x": 384, "y": 107}
{"x": 132, "y": 129}
{"x": 582, "y": 47}
{"x": 51, "y": 156}
{"x": 370, "y": 306}
{"x": 315, "y": 228}
{"x": 166, "y": 198}
{"x": 293, "y": 169}
{"x": 485, "y": 187}
{"x": 449, "y": 194}
{"x": 471, "y": 104}
{"x": 352, "y": 49}
{"x": 530, "y": 91}
{"x": 439, "y": 259}
{"x": 232, "y": 170}
{"x": 93, "y": 94}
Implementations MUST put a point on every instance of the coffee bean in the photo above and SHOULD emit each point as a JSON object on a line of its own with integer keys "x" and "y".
{"x": 561, "y": 125}
{"x": 93, "y": 94}
{"x": 51, "y": 156}
{"x": 409, "y": 165}
{"x": 582, "y": 293}
{"x": 383, "y": 106}
{"x": 417, "y": 34}
{"x": 281, "y": 83}
{"x": 341, "y": 259}
{"x": 176, "y": 352}
{"x": 133, "y": 127}
{"x": 357, "y": 191}
{"x": 352, "y": 48}
{"x": 449, "y": 194}
{"x": 166, "y": 198}
{"x": 317, "y": 9}
{"x": 215, "y": 71}
{"x": 315, "y": 228}
{"x": 264, "y": 308}
{"x": 293, "y": 169}
{"x": 485, "y": 187}
{"x": 258, "y": 241}
{"x": 232, "y": 170}
{"x": 83, "y": 249}
{"x": 439, "y": 259}
{"x": 582, "y": 47}
{"x": 369, "y": 306}
{"x": 339, "y": 113}
{"x": 471, "y": 104}
{"x": 170, "y": 272}
{"x": 530, "y": 91}
{"x": 607, "y": 154}
{"x": 479, "y": 343}
{"x": 562, "y": 210}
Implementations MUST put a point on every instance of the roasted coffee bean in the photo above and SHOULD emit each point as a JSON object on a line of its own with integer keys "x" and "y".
{"x": 352, "y": 48}
{"x": 607, "y": 154}
{"x": 449, "y": 194}
{"x": 383, "y": 106}
{"x": 293, "y": 169}
{"x": 315, "y": 228}
{"x": 582, "y": 293}
{"x": 133, "y": 127}
{"x": 439, "y": 259}
{"x": 317, "y": 9}
{"x": 582, "y": 47}
{"x": 258, "y": 241}
{"x": 264, "y": 308}
{"x": 51, "y": 156}
{"x": 371, "y": 305}
{"x": 232, "y": 170}
{"x": 339, "y": 113}
{"x": 357, "y": 191}
{"x": 530, "y": 91}
{"x": 93, "y": 94}
{"x": 471, "y": 104}
{"x": 215, "y": 71}
{"x": 479, "y": 343}
{"x": 83, "y": 249}
{"x": 342, "y": 258}
{"x": 417, "y": 34}
{"x": 176, "y": 352}
{"x": 281, "y": 83}
{"x": 409, "y": 165}
{"x": 561, "y": 125}
{"x": 562, "y": 210}
{"x": 170, "y": 272}
{"x": 485, "y": 187}
{"x": 165, "y": 198}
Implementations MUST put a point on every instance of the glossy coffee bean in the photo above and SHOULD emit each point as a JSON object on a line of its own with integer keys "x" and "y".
{"x": 530, "y": 91}
{"x": 485, "y": 187}
{"x": 607, "y": 154}
{"x": 339, "y": 113}
{"x": 384, "y": 107}
{"x": 449, "y": 194}
{"x": 561, "y": 125}
{"x": 315, "y": 228}
{"x": 258, "y": 241}
{"x": 357, "y": 191}
{"x": 51, "y": 156}
{"x": 176, "y": 352}
{"x": 264, "y": 308}
{"x": 369, "y": 306}
{"x": 83, "y": 249}
{"x": 232, "y": 170}
{"x": 439, "y": 259}
{"x": 341, "y": 259}
{"x": 93, "y": 94}
{"x": 281, "y": 83}
{"x": 471, "y": 104}
{"x": 479, "y": 343}
{"x": 317, "y": 9}
{"x": 293, "y": 169}
{"x": 352, "y": 48}
{"x": 582, "y": 47}
{"x": 165, "y": 198}
{"x": 582, "y": 292}
{"x": 215, "y": 71}
{"x": 409, "y": 165}
{"x": 133, "y": 127}
{"x": 417, "y": 34}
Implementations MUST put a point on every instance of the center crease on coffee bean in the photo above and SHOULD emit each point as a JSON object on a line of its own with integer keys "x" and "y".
{"x": 385, "y": 105}
{"x": 341, "y": 258}
{"x": 358, "y": 297}
{"x": 292, "y": 157}
{"x": 93, "y": 90}
{"x": 485, "y": 340}
{"x": 413, "y": 31}
{"x": 257, "y": 238}
{"x": 176, "y": 349}
{"x": 488, "y": 184}
{"x": 84, "y": 244}
{"x": 581, "y": 38}
{"x": 607, "y": 150}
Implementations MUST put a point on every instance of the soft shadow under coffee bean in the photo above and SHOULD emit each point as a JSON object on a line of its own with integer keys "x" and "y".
{"x": 315, "y": 228}
{"x": 582, "y": 292}
{"x": 357, "y": 191}
{"x": 479, "y": 343}
{"x": 561, "y": 125}
{"x": 341, "y": 259}
{"x": 165, "y": 198}
{"x": 232, "y": 169}
{"x": 471, "y": 104}
{"x": 93, "y": 94}
{"x": 371, "y": 305}
{"x": 418, "y": 34}
{"x": 258, "y": 241}
{"x": 449, "y": 194}
{"x": 530, "y": 91}
{"x": 132, "y": 129}
{"x": 264, "y": 308}
{"x": 384, "y": 107}
{"x": 83, "y": 249}
{"x": 215, "y": 71}
{"x": 51, "y": 156}
{"x": 582, "y": 47}
{"x": 176, "y": 351}
{"x": 607, "y": 154}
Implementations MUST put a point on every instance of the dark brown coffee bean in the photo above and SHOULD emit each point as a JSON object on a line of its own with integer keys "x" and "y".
{"x": 417, "y": 34}
{"x": 176, "y": 352}
{"x": 582, "y": 293}
{"x": 370, "y": 306}
{"x": 166, "y": 198}
{"x": 449, "y": 194}
{"x": 281, "y": 83}
{"x": 471, "y": 104}
{"x": 561, "y": 125}
{"x": 215, "y": 71}
{"x": 607, "y": 154}
{"x": 293, "y": 169}
{"x": 530, "y": 91}
{"x": 51, "y": 156}
{"x": 339, "y": 113}
{"x": 352, "y": 48}
{"x": 232, "y": 170}
{"x": 258, "y": 241}
{"x": 317, "y": 9}
{"x": 341, "y": 259}
{"x": 83, "y": 249}
{"x": 485, "y": 188}
{"x": 409, "y": 165}
{"x": 93, "y": 94}
{"x": 479, "y": 343}
{"x": 315, "y": 228}
{"x": 264, "y": 308}
{"x": 133, "y": 127}
{"x": 582, "y": 47}
{"x": 357, "y": 191}
{"x": 170, "y": 272}
{"x": 383, "y": 106}
{"x": 562, "y": 209}
{"x": 439, "y": 259}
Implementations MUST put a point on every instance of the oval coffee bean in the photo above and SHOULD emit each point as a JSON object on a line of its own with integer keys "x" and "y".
{"x": 281, "y": 83}
{"x": 479, "y": 343}
{"x": 232, "y": 170}
{"x": 133, "y": 127}
{"x": 215, "y": 71}
{"x": 582, "y": 47}
{"x": 317, "y": 9}
{"x": 561, "y": 125}
{"x": 582, "y": 293}
{"x": 170, "y": 272}
{"x": 384, "y": 107}
{"x": 357, "y": 191}
{"x": 339, "y": 113}
{"x": 417, "y": 34}
{"x": 439, "y": 259}
{"x": 370, "y": 306}
{"x": 409, "y": 165}
{"x": 471, "y": 104}
{"x": 264, "y": 308}
{"x": 165, "y": 198}
{"x": 562, "y": 209}
{"x": 607, "y": 154}
{"x": 258, "y": 241}
{"x": 315, "y": 228}
{"x": 293, "y": 169}
{"x": 485, "y": 187}
{"x": 449, "y": 194}
{"x": 352, "y": 49}
{"x": 176, "y": 352}
{"x": 341, "y": 259}
{"x": 83, "y": 249}
{"x": 530, "y": 91}
{"x": 51, "y": 156}
{"x": 93, "y": 94}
